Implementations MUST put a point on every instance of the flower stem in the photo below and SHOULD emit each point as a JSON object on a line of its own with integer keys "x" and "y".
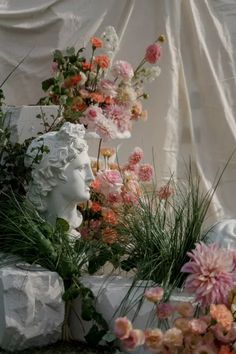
{"x": 99, "y": 150}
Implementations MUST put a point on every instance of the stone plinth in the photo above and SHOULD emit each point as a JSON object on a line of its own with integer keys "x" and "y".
{"x": 31, "y": 307}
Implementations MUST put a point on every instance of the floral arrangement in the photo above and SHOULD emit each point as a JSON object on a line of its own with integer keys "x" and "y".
{"x": 212, "y": 271}
{"x": 106, "y": 97}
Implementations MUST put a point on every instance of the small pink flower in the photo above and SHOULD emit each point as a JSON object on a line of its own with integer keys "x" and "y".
{"x": 154, "y": 294}
{"x": 165, "y": 192}
{"x": 136, "y": 156}
{"x": 153, "y": 53}
{"x": 129, "y": 198}
{"x": 164, "y": 310}
{"x": 107, "y": 87}
{"x": 204, "y": 349}
{"x": 105, "y": 128}
{"x": 122, "y": 69}
{"x": 146, "y": 172}
{"x": 222, "y": 335}
{"x": 118, "y": 115}
{"x": 122, "y": 328}
{"x": 135, "y": 339}
{"x": 183, "y": 324}
{"x": 185, "y": 309}
{"x": 198, "y": 326}
{"x": 110, "y": 181}
{"x": 90, "y": 115}
{"x": 114, "y": 198}
{"x": 54, "y": 67}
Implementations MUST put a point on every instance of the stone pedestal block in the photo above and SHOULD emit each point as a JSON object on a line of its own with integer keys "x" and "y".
{"x": 24, "y": 124}
{"x": 110, "y": 293}
{"x": 31, "y": 307}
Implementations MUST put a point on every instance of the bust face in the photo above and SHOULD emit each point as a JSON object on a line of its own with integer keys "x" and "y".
{"x": 79, "y": 176}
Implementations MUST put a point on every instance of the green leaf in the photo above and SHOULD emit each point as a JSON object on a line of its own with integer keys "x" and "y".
{"x": 62, "y": 224}
{"x": 95, "y": 335}
{"x": 109, "y": 337}
{"x": 88, "y": 310}
{"x": 46, "y": 84}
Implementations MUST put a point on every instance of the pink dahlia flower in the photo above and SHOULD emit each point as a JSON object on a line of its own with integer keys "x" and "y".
{"x": 153, "y": 53}
{"x": 211, "y": 276}
{"x": 122, "y": 69}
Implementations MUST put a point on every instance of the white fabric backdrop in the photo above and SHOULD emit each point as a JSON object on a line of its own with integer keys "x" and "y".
{"x": 192, "y": 105}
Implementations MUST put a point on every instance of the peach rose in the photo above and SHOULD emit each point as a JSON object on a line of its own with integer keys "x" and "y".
{"x": 153, "y": 339}
{"x": 122, "y": 328}
{"x": 136, "y": 338}
{"x": 222, "y": 315}
{"x": 154, "y": 294}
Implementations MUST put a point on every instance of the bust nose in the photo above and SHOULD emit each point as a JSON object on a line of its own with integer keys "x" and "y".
{"x": 89, "y": 175}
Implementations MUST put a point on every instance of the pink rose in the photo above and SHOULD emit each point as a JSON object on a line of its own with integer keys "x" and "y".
{"x": 122, "y": 328}
{"x": 146, "y": 172}
{"x": 135, "y": 339}
{"x": 154, "y": 294}
{"x": 153, "y": 53}
{"x": 123, "y": 70}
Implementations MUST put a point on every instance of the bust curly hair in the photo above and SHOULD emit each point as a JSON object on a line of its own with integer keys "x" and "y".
{"x": 48, "y": 155}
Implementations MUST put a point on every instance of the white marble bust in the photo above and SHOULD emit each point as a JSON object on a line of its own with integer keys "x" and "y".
{"x": 62, "y": 174}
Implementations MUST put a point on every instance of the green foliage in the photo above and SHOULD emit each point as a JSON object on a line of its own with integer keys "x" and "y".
{"x": 159, "y": 232}
{"x": 25, "y": 234}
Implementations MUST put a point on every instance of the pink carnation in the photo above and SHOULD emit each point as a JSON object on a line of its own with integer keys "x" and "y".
{"x": 153, "y": 53}
{"x": 90, "y": 116}
{"x": 110, "y": 181}
{"x": 136, "y": 156}
{"x": 123, "y": 70}
{"x": 119, "y": 115}
{"x": 105, "y": 128}
{"x": 107, "y": 87}
{"x": 114, "y": 198}
{"x": 211, "y": 276}
{"x": 146, "y": 172}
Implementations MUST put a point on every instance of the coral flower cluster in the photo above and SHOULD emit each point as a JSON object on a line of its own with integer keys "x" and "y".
{"x": 105, "y": 96}
{"x": 213, "y": 333}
